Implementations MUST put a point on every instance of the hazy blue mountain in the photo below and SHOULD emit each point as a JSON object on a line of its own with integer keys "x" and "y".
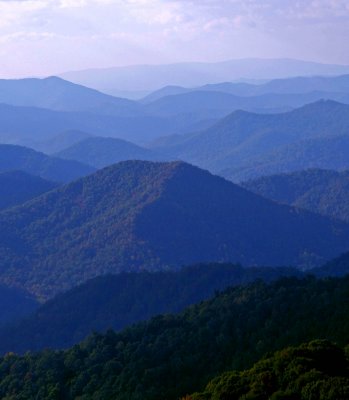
{"x": 117, "y": 301}
{"x": 36, "y": 163}
{"x": 153, "y": 77}
{"x": 15, "y": 305}
{"x": 32, "y": 126}
{"x": 57, "y": 94}
{"x": 17, "y": 187}
{"x": 323, "y": 191}
{"x": 139, "y": 215}
{"x": 166, "y": 91}
{"x": 305, "y": 154}
{"x": 219, "y": 104}
{"x": 331, "y": 87}
{"x": 242, "y": 139}
{"x": 61, "y": 141}
{"x": 101, "y": 152}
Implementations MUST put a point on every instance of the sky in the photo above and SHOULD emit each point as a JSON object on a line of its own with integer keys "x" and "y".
{"x": 45, "y": 37}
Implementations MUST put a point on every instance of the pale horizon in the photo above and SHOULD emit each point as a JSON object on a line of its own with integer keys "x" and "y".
{"x": 43, "y": 38}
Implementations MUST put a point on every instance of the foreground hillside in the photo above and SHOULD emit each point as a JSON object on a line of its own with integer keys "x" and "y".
{"x": 173, "y": 355}
{"x": 321, "y": 191}
{"x": 141, "y": 215}
{"x": 117, "y": 301}
{"x": 315, "y": 370}
{"x": 17, "y": 187}
{"x": 36, "y": 163}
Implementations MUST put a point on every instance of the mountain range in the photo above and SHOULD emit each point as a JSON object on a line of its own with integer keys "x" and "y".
{"x": 322, "y": 191}
{"x": 36, "y": 163}
{"x": 57, "y": 94}
{"x": 335, "y": 85}
{"x": 101, "y": 152}
{"x": 154, "y": 77}
{"x": 139, "y": 215}
{"x": 242, "y": 143}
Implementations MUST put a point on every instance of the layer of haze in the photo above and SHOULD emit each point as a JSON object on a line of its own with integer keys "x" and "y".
{"x": 39, "y": 37}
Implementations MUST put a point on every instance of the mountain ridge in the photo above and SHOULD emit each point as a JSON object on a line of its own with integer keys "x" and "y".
{"x": 135, "y": 215}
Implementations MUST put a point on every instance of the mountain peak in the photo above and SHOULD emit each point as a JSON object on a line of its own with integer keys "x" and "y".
{"x": 139, "y": 215}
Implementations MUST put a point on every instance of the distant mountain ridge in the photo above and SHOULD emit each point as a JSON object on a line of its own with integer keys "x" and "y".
{"x": 101, "y": 152}
{"x": 153, "y": 77}
{"x": 316, "y": 153}
{"x": 244, "y": 140}
{"x": 139, "y": 215}
{"x": 57, "y": 94}
{"x": 35, "y": 163}
{"x": 297, "y": 85}
{"x": 322, "y": 191}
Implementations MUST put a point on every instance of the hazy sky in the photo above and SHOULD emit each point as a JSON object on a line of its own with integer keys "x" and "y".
{"x": 39, "y": 37}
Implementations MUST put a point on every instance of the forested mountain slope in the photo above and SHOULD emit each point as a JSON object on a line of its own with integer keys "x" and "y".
{"x": 322, "y": 191}
{"x": 173, "y": 355}
{"x": 17, "y": 187}
{"x": 117, "y": 301}
{"x": 139, "y": 215}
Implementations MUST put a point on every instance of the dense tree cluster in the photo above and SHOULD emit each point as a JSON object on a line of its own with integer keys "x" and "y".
{"x": 117, "y": 301}
{"x": 318, "y": 370}
{"x": 173, "y": 355}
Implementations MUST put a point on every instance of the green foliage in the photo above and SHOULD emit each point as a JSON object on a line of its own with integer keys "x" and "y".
{"x": 173, "y": 355}
{"x": 140, "y": 215}
{"x": 318, "y": 370}
{"x": 116, "y": 301}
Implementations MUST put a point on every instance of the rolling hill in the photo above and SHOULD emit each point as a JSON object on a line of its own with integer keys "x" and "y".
{"x": 306, "y": 154}
{"x": 101, "y": 152}
{"x": 219, "y": 104}
{"x": 154, "y": 77}
{"x": 57, "y": 94}
{"x": 61, "y": 141}
{"x": 17, "y": 187}
{"x": 322, "y": 191}
{"x": 36, "y": 163}
{"x": 245, "y": 140}
{"x": 173, "y": 355}
{"x": 328, "y": 85}
{"x": 32, "y": 126}
{"x": 117, "y": 301}
{"x": 142, "y": 215}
